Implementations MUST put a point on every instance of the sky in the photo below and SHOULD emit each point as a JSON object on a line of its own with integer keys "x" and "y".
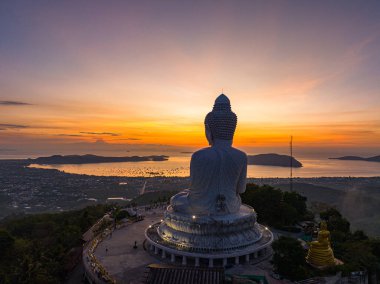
{"x": 87, "y": 76}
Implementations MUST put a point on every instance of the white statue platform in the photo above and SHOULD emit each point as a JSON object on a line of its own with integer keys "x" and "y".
{"x": 214, "y": 240}
{"x": 210, "y": 233}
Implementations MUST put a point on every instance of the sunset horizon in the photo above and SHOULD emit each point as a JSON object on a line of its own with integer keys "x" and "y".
{"x": 125, "y": 74}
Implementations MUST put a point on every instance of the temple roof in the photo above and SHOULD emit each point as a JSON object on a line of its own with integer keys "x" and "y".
{"x": 163, "y": 274}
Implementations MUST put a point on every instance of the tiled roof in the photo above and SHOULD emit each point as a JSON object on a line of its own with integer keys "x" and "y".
{"x": 159, "y": 274}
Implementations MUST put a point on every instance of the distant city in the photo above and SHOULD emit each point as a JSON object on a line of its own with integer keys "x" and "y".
{"x": 26, "y": 190}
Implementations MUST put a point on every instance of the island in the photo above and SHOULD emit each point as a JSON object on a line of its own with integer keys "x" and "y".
{"x": 356, "y": 158}
{"x": 275, "y": 160}
{"x": 93, "y": 159}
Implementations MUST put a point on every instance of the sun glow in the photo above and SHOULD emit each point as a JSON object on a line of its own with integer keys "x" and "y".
{"x": 151, "y": 84}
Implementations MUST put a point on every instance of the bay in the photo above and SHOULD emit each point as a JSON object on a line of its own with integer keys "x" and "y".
{"x": 179, "y": 166}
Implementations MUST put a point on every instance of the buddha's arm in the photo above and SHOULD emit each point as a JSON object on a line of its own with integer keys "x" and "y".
{"x": 197, "y": 168}
{"x": 242, "y": 183}
{"x": 191, "y": 173}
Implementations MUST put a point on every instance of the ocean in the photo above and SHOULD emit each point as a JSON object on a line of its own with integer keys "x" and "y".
{"x": 179, "y": 166}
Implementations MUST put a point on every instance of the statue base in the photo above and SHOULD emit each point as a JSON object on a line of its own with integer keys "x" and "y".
{"x": 210, "y": 237}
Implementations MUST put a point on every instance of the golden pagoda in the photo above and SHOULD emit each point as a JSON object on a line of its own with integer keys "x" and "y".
{"x": 320, "y": 254}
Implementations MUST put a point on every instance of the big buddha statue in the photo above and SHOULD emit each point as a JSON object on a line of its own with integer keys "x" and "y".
{"x": 208, "y": 220}
{"x": 217, "y": 173}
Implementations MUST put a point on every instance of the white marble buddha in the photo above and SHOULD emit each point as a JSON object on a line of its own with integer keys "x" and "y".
{"x": 217, "y": 173}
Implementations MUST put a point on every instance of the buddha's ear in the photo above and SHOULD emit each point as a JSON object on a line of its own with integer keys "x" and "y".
{"x": 209, "y": 134}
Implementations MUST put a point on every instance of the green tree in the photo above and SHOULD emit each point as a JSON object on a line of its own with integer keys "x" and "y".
{"x": 297, "y": 201}
{"x": 6, "y": 243}
{"x": 358, "y": 256}
{"x": 34, "y": 248}
{"x": 359, "y": 235}
{"x": 259, "y": 198}
{"x": 287, "y": 215}
{"x": 338, "y": 224}
{"x": 375, "y": 246}
{"x": 331, "y": 212}
{"x": 285, "y": 208}
{"x": 289, "y": 259}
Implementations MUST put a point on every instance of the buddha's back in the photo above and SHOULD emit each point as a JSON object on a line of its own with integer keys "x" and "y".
{"x": 217, "y": 177}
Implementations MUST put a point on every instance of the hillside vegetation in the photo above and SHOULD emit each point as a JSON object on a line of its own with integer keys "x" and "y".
{"x": 39, "y": 248}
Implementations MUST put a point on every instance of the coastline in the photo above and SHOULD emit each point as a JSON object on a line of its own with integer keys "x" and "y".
{"x": 26, "y": 190}
{"x": 178, "y": 166}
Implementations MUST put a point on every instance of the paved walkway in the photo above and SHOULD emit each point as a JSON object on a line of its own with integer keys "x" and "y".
{"x": 128, "y": 265}
{"x": 117, "y": 255}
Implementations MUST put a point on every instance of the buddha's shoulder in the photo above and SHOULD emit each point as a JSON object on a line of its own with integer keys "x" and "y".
{"x": 205, "y": 153}
{"x": 210, "y": 153}
{"x": 239, "y": 153}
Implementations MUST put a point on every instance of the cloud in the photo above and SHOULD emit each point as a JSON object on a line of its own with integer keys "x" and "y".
{"x": 70, "y": 135}
{"x": 130, "y": 139}
{"x": 13, "y": 103}
{"x": 12, "y": 126}
{"x": 85, "y": 133}
{"x": 100, "y": 133}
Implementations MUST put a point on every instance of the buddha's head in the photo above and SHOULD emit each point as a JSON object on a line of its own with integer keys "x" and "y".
{"x": 221, "y": 122}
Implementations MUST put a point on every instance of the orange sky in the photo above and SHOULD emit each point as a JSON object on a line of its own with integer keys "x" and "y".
{"x": 147, "y": 73}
